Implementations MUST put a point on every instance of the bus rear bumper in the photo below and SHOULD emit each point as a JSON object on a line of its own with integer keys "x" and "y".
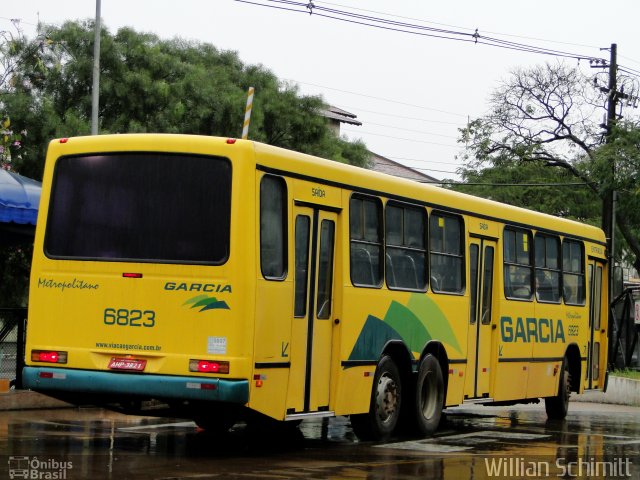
{"x": 45, "y": 380}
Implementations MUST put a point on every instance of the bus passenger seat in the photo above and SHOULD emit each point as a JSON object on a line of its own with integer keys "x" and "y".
{"x": 362, "y": 272}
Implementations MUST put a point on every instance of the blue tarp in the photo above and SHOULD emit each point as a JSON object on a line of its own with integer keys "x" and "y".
{"x": 19, "y": 198}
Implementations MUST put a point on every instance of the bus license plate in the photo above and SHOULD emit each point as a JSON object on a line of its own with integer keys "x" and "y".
{"x": 127, "y": 364}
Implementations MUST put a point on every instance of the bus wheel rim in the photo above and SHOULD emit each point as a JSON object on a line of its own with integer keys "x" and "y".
{"x": 428, "y": 395}
{"x": 386, "y": 398}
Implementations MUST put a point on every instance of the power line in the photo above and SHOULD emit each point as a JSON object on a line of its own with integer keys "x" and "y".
{"x": 18, "y": 21}
{"x": 628, "y": 70}
{"x": 398, "y": 138}
{"x": 424, "y": 160}
{"x": 465, "y": 28}
{"x": 414, "y": 29}
{"x": 431, "y": 170}
{"x": 630, "y": 59}
{"x": 372, "y": 96}
{"x": 570, "y": 184}
{"x": 400, "y": 116}
{"x": 411, "y": 130}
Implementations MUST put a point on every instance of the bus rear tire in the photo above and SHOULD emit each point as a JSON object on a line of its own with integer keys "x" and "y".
{"x": 217, "y": 423}
{"x": 384, "y": 409}
{"x": 558, "y": 405}
{"x": 429, "y": 399}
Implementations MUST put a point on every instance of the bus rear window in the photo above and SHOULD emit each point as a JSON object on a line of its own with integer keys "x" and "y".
{"x": 147, "y": 207}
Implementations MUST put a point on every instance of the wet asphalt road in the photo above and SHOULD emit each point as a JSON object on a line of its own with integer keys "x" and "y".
{"x": 595, "y": 441}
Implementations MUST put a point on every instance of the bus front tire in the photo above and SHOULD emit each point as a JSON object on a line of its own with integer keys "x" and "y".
{"x": 384, "y": 409}
{"x": 429, "y": 399}
{"x": 558, "y": 405}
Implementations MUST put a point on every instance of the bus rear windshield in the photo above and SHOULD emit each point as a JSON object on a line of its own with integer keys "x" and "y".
{"x": 141, "y": 207}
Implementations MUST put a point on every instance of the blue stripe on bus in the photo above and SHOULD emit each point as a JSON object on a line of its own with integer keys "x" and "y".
{"x": 127, "y": 384}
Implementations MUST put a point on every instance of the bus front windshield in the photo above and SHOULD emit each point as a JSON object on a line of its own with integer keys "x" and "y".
{"x": 140, "y": 207}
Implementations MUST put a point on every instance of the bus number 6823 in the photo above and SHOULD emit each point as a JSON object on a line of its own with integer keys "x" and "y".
{"x": 132, "y": 318}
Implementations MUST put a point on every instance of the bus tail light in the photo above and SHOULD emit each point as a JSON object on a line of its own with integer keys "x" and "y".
{"x": 208, "y": 366}
{"x": 48, "y": 356}
{"x": 131, "y": 275}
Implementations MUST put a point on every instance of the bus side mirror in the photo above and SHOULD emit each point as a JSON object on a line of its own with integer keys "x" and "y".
{"x": 618, "y": 281}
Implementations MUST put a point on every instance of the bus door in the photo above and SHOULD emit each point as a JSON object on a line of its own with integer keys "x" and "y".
{"x": 312, "y": 326}
{"x": 596, "y": 352}
{"x": 481, "y": 274}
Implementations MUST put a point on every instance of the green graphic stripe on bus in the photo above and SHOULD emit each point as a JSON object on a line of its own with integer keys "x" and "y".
{"x": 415, "y": 324}
{"x": 207, "y": 303}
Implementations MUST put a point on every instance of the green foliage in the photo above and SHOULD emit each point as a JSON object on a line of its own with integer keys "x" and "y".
{"x": 146, "y": 85}
{"x": 15, "y": 264}
{"x": 627, "y": 373}
{"x": 153, "y": 85}
{"x": 544, "y": 126}
{"x": 10, "y": 144}
{"x": 518, "y": 183}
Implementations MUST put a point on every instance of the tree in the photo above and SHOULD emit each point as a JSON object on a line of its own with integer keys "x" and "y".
{"x": 534, "y": 186}
{"x": 147, "y": 85}
{"x": 551, "y": 116}
{"x": 154, "y": 85}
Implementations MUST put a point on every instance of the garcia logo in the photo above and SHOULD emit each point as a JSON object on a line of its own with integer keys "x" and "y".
{"x": 205, "y": 302}
{"x": 198, "y": 287}
{"x": 542, "y": 330}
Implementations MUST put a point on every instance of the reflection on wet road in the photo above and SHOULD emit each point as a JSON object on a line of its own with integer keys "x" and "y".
{"x": 597, "y": 441}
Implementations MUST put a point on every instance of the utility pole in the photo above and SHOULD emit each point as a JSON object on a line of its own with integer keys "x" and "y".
{"x": 95, "y": 92}
{"x": 608, "y": 215}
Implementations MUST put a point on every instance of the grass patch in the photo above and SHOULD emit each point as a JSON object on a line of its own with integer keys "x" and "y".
{"x": 626, "y": 373}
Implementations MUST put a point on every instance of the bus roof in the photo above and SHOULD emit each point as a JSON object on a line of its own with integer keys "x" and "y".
{"x": 377, "y": 183}
{"x": 328, "y": 172}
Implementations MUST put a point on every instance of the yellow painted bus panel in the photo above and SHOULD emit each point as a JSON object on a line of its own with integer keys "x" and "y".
{"x": 266, "y": 394}
{"x": 358, "y": 382}
{"x": 317, "y": 193}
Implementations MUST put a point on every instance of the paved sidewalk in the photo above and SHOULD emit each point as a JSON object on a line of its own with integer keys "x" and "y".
{"x": 27, "y": 400}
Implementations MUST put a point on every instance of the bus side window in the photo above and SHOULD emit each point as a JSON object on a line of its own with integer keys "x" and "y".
{"x": 518, "y": 265}
{"x": 273, "y": 227}
{"x": 547, "y": 268}
{"x": 447, "y": 269}
{"x": 405, "y": 245}
{"x": 573, "y": 277}
{"x": 365, "y": 233}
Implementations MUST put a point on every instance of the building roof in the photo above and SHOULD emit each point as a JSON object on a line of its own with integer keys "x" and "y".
{"x": 391, "y": 167}
{"x": 342, "y": 116}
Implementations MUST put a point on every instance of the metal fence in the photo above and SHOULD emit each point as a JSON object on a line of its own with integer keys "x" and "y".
{"x": 624, "y": 330}
{"x": 12, "y": 327}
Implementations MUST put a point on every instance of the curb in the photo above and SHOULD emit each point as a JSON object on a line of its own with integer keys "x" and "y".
{"x": 620, "y": 391}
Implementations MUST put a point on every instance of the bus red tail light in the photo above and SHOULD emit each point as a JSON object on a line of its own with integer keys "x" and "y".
{"x": 48, "y": 356}
{"x": 208, "y": 366}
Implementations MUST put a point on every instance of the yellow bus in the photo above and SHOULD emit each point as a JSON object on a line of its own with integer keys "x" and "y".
{"x": 229, "y": 279}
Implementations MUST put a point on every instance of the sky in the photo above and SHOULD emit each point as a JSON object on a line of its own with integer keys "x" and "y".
{"x": 411, "y": 92}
